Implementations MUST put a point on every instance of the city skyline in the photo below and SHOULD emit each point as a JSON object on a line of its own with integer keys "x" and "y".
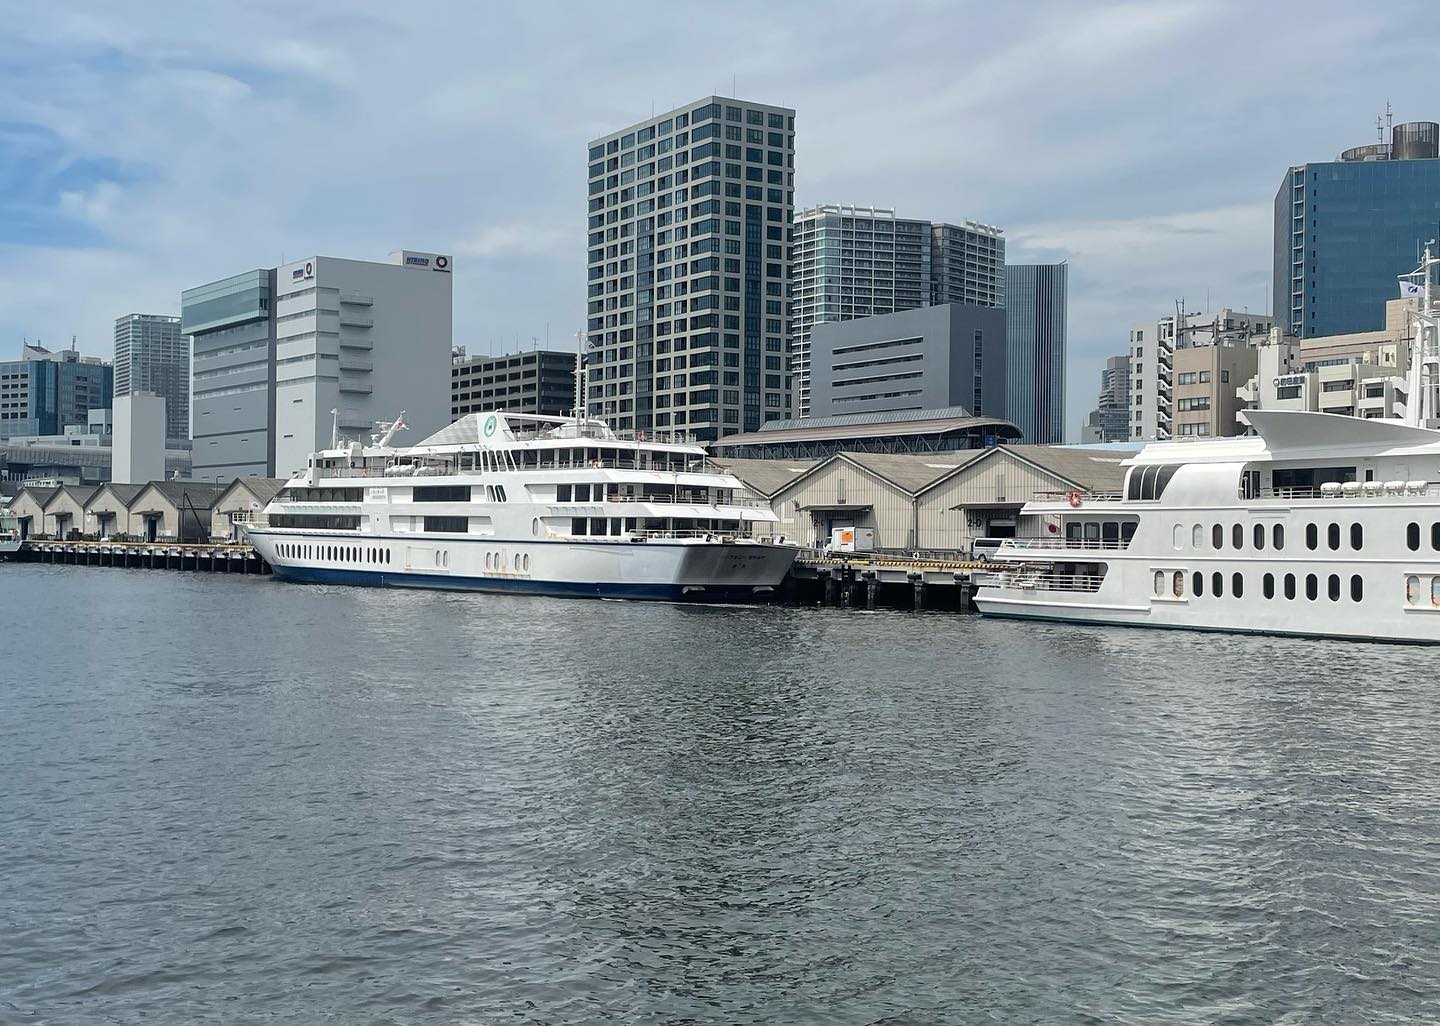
{"x": 120, "y": 184}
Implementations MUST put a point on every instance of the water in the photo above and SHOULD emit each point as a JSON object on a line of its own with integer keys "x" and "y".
{"x": 229, "y": 800}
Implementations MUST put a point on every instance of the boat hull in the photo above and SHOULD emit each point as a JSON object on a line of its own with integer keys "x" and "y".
{"x": 687, "y": 572}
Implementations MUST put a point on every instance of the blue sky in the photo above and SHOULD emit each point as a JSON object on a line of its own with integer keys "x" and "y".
{"x": 148, "y": 147}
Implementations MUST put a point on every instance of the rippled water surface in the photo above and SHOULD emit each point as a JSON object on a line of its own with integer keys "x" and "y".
{"x": 230, "y": 800}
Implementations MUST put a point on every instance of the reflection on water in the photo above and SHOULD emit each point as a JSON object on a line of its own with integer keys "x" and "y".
{"x": 225, "y": 799}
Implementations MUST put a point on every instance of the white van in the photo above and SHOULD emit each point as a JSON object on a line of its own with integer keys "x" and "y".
{"x": 982, "y": 550}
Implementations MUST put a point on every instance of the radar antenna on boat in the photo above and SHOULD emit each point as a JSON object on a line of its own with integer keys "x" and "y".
{"x": 1423, "y": 395}
{"x": 387, "y": 430}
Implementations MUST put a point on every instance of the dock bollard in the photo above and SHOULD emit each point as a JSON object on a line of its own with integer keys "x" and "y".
{"x": 872, "y": 585}
{"x": 917, "y": 585}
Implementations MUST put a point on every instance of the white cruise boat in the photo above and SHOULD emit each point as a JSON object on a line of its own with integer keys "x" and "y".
{"x": 1317, "y": 524}
{"x": 9, "y": 533}
{"x": 508, "y": 502}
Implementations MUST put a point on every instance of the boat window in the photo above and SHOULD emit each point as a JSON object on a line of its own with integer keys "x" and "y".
{"x": 1217, "y": 537}
{"x": 1259, "y": 534}
{"x": 562, "y": 493}
{"x": 1177, "y": 537}
{"x": 1289, "y": 586}
{"x": 1357, "y": 588}
{"x": 1197, "y": 536}
{"x": 447, "y": 525}
{"x": 1312, "y": 536}
{"x": 1110, "y": 531}
{"x": 578, "y": 526}
{"x": 526, "y": 564}
{"x": 1412, "y": 537}
{"x": 1237, "y": 585}
{"x": 1092, "y": 531}
{"x": 582, "y": 493}
{"x": 1435, "y": 591}
{"x": 1178, "y": 584}
{"x": 500, "y": 493}
{"x": 1267, "y": 584}
{"x": 1217, "y": 584}
{"x": 1148, "y": 482}
{"x": 1434, "y": 537}
{"x": 1277, "y": 536}
{"x": 1412, "y": 589}
{"x": 1127, "y": 530}
{"x": 1159, "y": 582}
{"x": 1132, "y": 482}
{"x": 598, "y": 525}
{"x": 442, "y": 493}
{"x": 1333, "y": 586}
{"x": 1197, "y": 583}
{"x": 535, "y": 527}
{"x": 1332, "y": 536}
{"x": 1237, "y": 537}
{"x": 1357, "y": 537}
{"x": 1312, "y": 587}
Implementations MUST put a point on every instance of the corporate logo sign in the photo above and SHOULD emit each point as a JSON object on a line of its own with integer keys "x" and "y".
{"x": 302, "y": 273}
{"x": 431, "y": 260}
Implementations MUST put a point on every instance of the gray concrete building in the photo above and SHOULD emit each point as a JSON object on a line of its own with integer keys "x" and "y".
{"x": 540, "y": 381}
{"x": 853, "y": 262}
{"x": 1110, "y": 420}
{"x": 689, "y": 269}
{"x": 1035, "y": 316}
{"x": 928, "y": 358}
{"x": 153, "y": 356}
{"x": 276, "y": 351}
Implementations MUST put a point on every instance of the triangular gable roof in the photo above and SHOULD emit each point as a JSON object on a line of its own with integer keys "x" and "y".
{"x": 199, "y": 494}
{"x": 39, "y": 496}
{"x": 899, "y": 470}
{"x": 764, "y": 476}
{"x": 261, "y": 489}
{"x": 79, "y": 494}
{"x": 1093, "y": 470}
{"x": 124, "y": 493}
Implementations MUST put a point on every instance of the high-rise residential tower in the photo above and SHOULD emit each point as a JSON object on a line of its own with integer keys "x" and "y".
{"x": 853, "y": 262}
{"x": 1110, "y": 420}
{"x": 152, "y": 356}
{"x": 1345, "y": 229}
{"x": 284, "y": 357}
{"x": 1035, "y": 350}
{"x": 689, "y": 269}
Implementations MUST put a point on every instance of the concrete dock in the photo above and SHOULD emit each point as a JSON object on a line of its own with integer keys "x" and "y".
{"x": 162, "y": 555}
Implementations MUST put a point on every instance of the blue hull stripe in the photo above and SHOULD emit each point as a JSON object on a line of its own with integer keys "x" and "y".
{"x": 513, "y": 586}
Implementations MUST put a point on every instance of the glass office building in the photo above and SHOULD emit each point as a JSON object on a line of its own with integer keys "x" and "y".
{"x": 1035, "y": 351}
{"x": 1344, "y": 230}
{"x": 688, "y": 269}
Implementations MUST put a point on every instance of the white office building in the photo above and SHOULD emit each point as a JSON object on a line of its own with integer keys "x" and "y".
{"x": 276, "y": 351}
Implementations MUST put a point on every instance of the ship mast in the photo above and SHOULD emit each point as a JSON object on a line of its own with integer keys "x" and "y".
{"x": 1423, "y": 397}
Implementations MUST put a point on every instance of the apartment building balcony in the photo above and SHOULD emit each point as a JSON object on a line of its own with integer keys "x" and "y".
{"x": 355, "y": 342}
{"x": 352, "y": 363}
{"x": 356, "y": 318}
{"x": 356, "y": 386}
{"x": 356, "y": 299}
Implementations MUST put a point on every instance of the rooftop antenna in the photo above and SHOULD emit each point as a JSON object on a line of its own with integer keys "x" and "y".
{"x": 335, "y": 428}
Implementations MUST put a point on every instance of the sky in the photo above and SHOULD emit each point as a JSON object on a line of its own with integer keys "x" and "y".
{"x": 150, "y": 147}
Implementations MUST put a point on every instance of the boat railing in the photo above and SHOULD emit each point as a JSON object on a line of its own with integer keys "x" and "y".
{"x": 1087, "y": 544}
{"x": 1338, "y": 491}
{"x": 1057, "y": 495}
{"x": 1041, "y": 580}
{"x": 687, "y": 535}
{"x": 403, "y": 470}
{"x": 680, "y": 500}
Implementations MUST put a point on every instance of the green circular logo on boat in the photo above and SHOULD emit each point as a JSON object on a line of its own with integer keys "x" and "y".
{"x": 490, "y": 425}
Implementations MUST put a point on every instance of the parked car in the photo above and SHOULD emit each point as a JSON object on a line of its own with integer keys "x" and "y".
{"x": 982, "y": 550}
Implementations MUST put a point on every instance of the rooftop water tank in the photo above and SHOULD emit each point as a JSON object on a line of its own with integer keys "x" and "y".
{"x": 1415, "y": 140}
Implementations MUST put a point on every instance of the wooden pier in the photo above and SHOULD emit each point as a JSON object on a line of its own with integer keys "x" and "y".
{"x": 161, "y": 555}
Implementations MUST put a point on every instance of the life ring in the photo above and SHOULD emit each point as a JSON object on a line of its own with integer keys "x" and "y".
{"x": 1074, "y": 499}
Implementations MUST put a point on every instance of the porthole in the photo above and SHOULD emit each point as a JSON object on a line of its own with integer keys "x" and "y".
{"x": 1412, "y": 590}
{"x": 1217, "y": 584}
{"x": 1312, "y": 587}
{"x": 1435, "y": 591}
{"x": 1357, "y": 537}
{"x": 1357, "y": 588}
{"x": 1277, "y": 537}
{"x": 1159, "y": 582}
{"x": 1217, "y": 537}
{"x": 1197, "y": 584}
{"x": 526, "y": 567}
{"x": 1197, "y": 536}
{"x": 1312, "y": 537}
{"x": 1435, "y": 536}
{"x": 1332, "y": 537}
{"x": 1290, "y": 586}
{"x": 1259, "y": 534}
{"x": 517, "y": 562}
{"x": 535, "y": 527}
{"x": 487, "y": 561}
{"x": 1177, "y": 584}
{"x": 1177, "y": 537}
{"x": 1237, "y": 537}
{"x": 1267, "y": 584}
{"x": 1412, "y": 537}
{"x": 1332, "y": 587}
{"x": 1237, "y": 585}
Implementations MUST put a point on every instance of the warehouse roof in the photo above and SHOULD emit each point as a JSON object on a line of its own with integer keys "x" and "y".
{"x": 869, "y": 425}
{"x": 765, "y": 476}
